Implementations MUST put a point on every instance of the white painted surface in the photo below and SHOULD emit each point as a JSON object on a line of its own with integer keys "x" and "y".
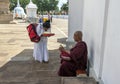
{"x": 111, "y": 64}
{"x": 101, "y": 30}
{"x": 18, "y": 11}
{"x": 93, "y": 30}
{"x": 31, "y": 10}
{"x": 75, "y": 17}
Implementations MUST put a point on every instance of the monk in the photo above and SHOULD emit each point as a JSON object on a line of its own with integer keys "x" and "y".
{"x": 75, "y": 59}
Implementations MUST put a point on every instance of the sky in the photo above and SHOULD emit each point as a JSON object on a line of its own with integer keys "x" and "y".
{"x": 61, "y": 2}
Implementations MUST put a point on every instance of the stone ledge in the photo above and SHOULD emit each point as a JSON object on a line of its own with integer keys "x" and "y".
{"x": 78, "y": 80}
{"x": 6, "y": 18}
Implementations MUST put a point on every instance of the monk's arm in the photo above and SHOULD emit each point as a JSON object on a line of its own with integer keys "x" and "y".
{"x": 66, "y": 58}
{"x": 77, "y": 52}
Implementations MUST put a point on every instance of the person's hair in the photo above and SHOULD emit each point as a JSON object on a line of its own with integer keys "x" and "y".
{"x": 47, "y": 21}
{"x": 79, "y": 34}
{"x": 46, "y": 24}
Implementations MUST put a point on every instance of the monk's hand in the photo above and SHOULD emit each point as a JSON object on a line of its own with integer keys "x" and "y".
{"x": 61, "y": 48}
{"x": 68, "y": 51}
{"x": 66, "y": 58}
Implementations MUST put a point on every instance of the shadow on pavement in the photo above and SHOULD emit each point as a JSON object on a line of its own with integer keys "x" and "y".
{"x": 22, "y": 67}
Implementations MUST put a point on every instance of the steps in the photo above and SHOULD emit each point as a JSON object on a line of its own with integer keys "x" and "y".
{"x": 19, "y": 73}
{"x": 22, "y": 69}
{"x": 78, "y": 80}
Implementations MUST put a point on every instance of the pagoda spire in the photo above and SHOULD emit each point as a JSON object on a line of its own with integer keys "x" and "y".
{"x": 18, "y": 3}
{"x": 31, "y": 1}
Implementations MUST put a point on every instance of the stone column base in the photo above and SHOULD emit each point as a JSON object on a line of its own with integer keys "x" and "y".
{"x": 5, "y": 18}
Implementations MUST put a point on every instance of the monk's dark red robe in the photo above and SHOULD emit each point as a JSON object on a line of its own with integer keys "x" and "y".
{"x": 64, "y": 53}
{"x": 78, "y": 55}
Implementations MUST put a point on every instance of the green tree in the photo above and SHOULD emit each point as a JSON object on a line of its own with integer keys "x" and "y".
{"x": 12, "y": 4}
{"x": 43, "y": 5}
{"x": 65, "y": 7}
{"x": 46, "y": 5}
{"x": 23, "y": 3}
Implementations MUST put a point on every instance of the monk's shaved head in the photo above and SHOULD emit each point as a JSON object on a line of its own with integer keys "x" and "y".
{"x": 78, "y": 36}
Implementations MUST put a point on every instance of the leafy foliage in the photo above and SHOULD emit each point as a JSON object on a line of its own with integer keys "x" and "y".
{"x": 46, "y": 5}
{"x": 65, "y": 7}
{"x": 43, "y": 5}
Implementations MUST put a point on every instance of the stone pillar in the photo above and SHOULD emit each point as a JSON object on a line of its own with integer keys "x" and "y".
{"x": 5, "y": 16}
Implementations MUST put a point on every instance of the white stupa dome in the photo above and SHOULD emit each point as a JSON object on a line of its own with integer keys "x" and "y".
{"x": 19, "y": 11}
{"x": 31, "y": 10}
{"x": 31, "y": 5}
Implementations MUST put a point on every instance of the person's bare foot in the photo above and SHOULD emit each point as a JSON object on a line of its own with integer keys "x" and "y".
{"x": 46, "y": 61}
{"x": 38, "y": 61}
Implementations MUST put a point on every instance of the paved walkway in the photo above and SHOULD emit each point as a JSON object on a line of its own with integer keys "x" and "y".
{"x": 14, "y": 39}
{"x": 16, "y": 61}
{"x": 17, "y": 65}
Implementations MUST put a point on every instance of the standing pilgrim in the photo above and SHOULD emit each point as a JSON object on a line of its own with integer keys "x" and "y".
{"x": 40, "y": 52}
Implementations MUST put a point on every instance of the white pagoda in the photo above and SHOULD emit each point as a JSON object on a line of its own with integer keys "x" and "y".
{"x": 19, "y": 11}
{"x": 31, "y": 10}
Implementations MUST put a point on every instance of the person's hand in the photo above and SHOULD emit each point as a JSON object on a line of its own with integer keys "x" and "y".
{"x": 66, "y": 58}
{"x": 41, "y": 35}
{"x": 61, "y": 48}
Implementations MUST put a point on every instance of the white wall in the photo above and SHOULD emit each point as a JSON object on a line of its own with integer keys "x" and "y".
{"x": 75, "y": 17}
{"x": 111, "y": 64}
{"x": 101, "y": 30}
{"x": 101, "y": 26}
{"x": 93, "y": 30}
